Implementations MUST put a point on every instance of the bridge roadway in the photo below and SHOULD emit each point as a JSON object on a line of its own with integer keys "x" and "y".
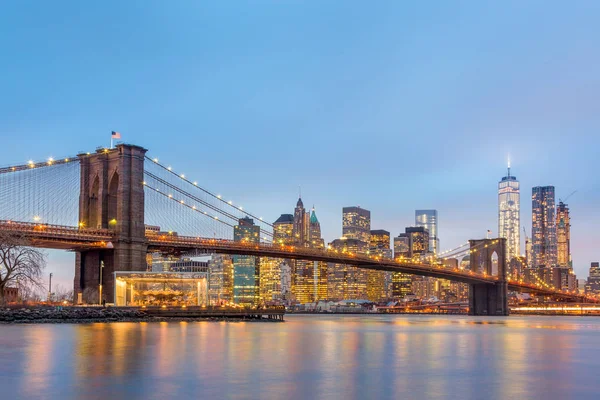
{"x": 76, "y": 238}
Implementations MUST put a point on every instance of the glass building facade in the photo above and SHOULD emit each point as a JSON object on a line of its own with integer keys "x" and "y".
{"x": 160, "y": 288}
{"x": 283, "y": 229}
{"x": 246, "y": 269}
{"x": 301, "y": 224}
{"x": 346, "y": 282}
{"x": 379, "y": 246}
{"x": 309, "y": 278}
{"x": 509, "y": 214}
{"x": 356, "y": 223}
{"x": 543, "y": 232}
{"x": 220, "y": 283}
{"x": 283, "y": 233}
{"x": 418, "y": 241}
{"x": 593, "y": 283}
{"x": 428, "y": 219}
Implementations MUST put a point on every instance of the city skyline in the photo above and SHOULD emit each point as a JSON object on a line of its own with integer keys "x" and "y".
{"x": 372, "y": 100}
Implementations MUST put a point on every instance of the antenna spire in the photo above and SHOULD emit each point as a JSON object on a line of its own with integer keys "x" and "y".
{"x": 509, "y": 165}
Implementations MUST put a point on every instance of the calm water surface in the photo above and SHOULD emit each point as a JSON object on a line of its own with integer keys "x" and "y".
{"x": 307, "y": 357}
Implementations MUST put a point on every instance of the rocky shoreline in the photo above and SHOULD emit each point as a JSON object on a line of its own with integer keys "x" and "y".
{"x": 86, "y": 315}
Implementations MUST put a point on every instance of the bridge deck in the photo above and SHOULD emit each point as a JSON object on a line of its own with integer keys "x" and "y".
{"x": 74, "y": 238}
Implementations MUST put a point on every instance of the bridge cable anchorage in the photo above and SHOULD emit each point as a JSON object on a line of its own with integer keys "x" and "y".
{"x": 217, "y": 197}
{"x": 198, "y": 200}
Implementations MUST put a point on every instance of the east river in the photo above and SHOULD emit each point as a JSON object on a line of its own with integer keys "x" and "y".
{"x": 306, "y": 357}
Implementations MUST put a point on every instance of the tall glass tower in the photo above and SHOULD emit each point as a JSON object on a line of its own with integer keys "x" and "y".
{"x": 543, "y": 231}
{"x": 428, "y": 219}
{"x": 246, "y": 269}
{"x": 509, "y": 214}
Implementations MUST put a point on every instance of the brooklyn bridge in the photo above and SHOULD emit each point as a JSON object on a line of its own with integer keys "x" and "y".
{"x": 100, "y": 204}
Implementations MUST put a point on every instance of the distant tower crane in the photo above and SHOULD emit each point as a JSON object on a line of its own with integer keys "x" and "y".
{"x": 566, "y": 198}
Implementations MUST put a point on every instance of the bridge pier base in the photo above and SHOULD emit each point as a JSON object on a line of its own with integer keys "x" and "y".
{"x": 486, "y": 299}
{"x": 90, "y": 264}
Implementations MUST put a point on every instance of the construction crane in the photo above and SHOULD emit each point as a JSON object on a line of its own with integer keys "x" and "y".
{"x": 566, "y": 198}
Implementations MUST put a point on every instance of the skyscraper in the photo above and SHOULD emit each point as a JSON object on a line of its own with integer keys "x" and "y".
{"x": 563, "y": 236}
{"x": 428, "y": 219}
{"x": 246, "y": 273}
{"x": 347, "y": 282}
{"x": 283, "y": 229}
{"x": 401, "y": 246}
{"x": 319, "y": 268}
{"x": 301, "y": 224}
{"x": 593, "y": 282}
{"x": 283, "y": 234}
{"x": 356, "y": 223}
{"x": 220, "y": 284}
{"x": 414, "y": 242}
{"x": 418, "y": 241}
{"x": 270, "y": 280}
{"x": 543, "y": 232}
{"x": 509, "y": 214}
{"x": 379, "y": 246}
{"x": 309, "y": 278}
{"x": 314, "y": 231}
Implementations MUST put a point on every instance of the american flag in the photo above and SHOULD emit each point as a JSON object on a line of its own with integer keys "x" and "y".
{"x": 115, "y": 135}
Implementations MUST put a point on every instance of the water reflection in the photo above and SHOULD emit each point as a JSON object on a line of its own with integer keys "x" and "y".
{"x": 353, "y": 357}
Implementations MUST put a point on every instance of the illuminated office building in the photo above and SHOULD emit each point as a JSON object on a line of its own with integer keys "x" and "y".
{"x": 319, "y": 267}
{"x": 246, "y": 269}
{"x": 314, "y": 231}
{"x": 593, "y": 283}
{"x": 309, "y": 278}
{"x": 543, "y": 232}
{"x": 428, "y": 219}
{"x": 270, "y": 280}
{"x": 379, "y": 246}
{"x": 401, "y": 247}
{"x": 283, "y": 229}
{"x": 163, "y": 263}
{"x": 345, "y": 282}
{"x": 301, "y": 225}
{"x": 401, "y": 283}
{"x": 283, "y": 234}
{"x": 563, "y": 236}
{"x": 220, "y": 283}
{"x": 356, "y": 223}
{"x": 412, "y": 244}
{"x": 418, "y": 241}
{"x": 509, "y": 214}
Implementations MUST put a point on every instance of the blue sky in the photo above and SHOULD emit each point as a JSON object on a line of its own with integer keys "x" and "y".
{"x": 392, "y": 106}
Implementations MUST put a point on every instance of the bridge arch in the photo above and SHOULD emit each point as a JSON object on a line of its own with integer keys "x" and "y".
{"x": 112, "y": 206}
{"x": 494, "y": 263}
{"x": 95, "y": 220}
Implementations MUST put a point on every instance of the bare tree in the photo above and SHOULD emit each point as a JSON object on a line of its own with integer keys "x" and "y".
{"x": 62, "y": 294}
{"x": 30, "y": 293}
{"x": 20, "y": 264}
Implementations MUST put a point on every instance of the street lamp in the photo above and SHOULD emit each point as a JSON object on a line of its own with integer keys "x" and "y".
{"x": 50, "y": 288}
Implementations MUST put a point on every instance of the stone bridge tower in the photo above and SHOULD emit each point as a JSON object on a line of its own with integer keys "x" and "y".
{"x": 489, "y": 299}
{"x": 111, "y": 197}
